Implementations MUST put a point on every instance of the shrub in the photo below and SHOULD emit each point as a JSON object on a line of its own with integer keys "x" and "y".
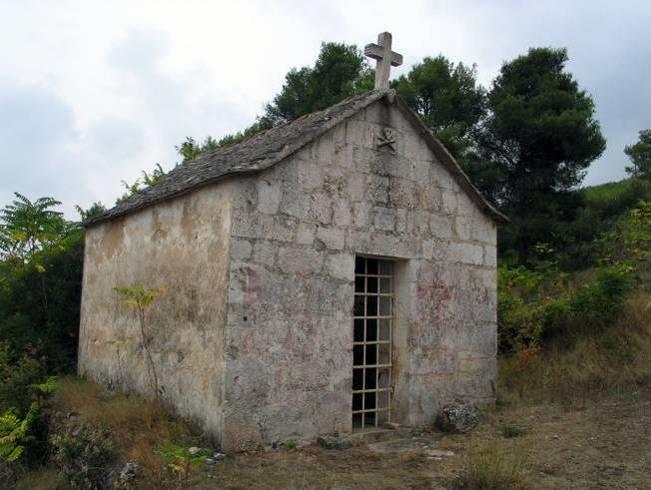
{"x": 614, "y": 360}
{"x": 182, "y": 460}
{"x": 39, "y": 304}
{"x": 494, "y": 469}
{"x": 539, "y": 308}
{"x": 17, "y": 374}
{"x": 138, "y": 427}
{"x": 84, "y": 455}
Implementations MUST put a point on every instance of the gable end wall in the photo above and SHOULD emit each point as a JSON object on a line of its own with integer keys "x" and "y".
{"x": 296, "y": 230}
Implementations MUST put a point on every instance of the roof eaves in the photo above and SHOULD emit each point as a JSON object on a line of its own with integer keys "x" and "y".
{"x": 261, "y": 163}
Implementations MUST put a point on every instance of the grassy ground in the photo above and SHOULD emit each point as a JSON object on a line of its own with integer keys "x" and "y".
{"x": 573, "y": 418}
{"x": 604, "y": 444}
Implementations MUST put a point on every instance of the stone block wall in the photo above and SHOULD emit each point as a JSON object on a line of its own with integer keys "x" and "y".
{"x": 253, "y": 337}
{"x": 180, "y": 245}
{"x": 296, "y": 231}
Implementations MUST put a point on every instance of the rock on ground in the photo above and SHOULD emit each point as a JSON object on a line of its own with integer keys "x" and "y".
{"x": 458, "y": 417}
{"x": 334, "y": 441}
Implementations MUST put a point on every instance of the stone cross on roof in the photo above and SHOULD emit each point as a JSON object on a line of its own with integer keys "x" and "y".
{"x": 385, "y": 59}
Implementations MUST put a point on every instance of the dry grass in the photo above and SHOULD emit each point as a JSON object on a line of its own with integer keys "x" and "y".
{"x": 610, "y": 362}
{"x": 43, "y": 479}
{"x": 138, "y": 427}
{"x": 495, "y": 468}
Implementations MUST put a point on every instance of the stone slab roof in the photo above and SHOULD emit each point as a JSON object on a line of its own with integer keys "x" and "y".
{"x": 265, "y": 149}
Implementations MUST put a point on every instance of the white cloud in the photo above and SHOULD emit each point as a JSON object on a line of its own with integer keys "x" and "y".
{"x": 93, "y": 92}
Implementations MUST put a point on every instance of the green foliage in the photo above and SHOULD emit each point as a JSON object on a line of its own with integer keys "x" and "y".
{"x": 582, "y": 241}
{"x": 48, "y": 387}
{"x": 137, "y": 296}
{"x": 308, "y": 89}
{"x": 540, "y": 307}
{"x": 640, "y": 155}
{"x": 19, "y": 386}
{"x": 15, "y": 433}
{"x": 28, "y": 227}
{"x": 18, "y": 373}
{"x": 534, "y": 146}
{"x": 447, "y": 98}
{"x": 84, "y": 456}
{"x": 629, "y": 238}
{"x": 147, "y": 179}
{"x": 339, "y": 72}
{"x": 96, "y": 209}
{"x": 140, "y": 299}
{"x": 613, "y": 199}
{"x": 190, "y": 149}
{"x": 182, "y": 460}
{"x": 39, "y": 303}
{"x": 541, "y": 127}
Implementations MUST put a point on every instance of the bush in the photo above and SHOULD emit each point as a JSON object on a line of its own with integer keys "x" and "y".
{"x": 537, "y": 308}
{"x": 615, "y": 360}
{"x": 39, "y": 304}
{"x": 138, "y": 427}
{"x": 182, "y": 460}
{"x": 84, "y": 455}
{"x": 494, "y": 469}
{"x": 17, "y": 374}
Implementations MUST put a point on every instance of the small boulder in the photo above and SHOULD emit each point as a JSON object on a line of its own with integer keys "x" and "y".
{"x": 334, "y": 441}
{"x": 458, "y": 417}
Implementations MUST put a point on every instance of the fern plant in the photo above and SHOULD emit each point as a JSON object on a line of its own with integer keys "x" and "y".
{"x": 14, "y": 433}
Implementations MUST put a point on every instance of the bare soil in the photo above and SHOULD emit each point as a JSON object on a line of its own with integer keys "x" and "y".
{"x": 595, "y": 444}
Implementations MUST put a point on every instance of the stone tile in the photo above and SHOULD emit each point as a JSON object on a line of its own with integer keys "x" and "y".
{"x": 241, "y": 249}
{"x": 269, "y": 195}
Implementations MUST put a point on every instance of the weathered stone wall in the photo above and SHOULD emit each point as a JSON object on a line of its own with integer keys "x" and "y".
{"x": 182, "y": 246}
{"x": 296, "y": 230}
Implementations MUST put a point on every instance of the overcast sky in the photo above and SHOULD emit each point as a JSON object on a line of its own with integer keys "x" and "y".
{"x": 92, "y": 92}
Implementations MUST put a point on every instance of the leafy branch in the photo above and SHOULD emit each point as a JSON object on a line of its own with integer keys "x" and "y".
{"x": 140, "y": 299}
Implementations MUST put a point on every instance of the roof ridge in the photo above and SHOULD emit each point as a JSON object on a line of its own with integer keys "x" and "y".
{"x": 244, "y": 157}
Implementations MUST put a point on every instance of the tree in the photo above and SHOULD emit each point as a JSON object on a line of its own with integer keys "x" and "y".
{"x": 334, "y": 76}
{"x": 447, "y": 98}
{"x": 26, "y": 227}
{"x": 339, "y": 72}
{"x": 534, "y": 146}
{"x": 96, "y": 209}
{"x": 640, "y": 155}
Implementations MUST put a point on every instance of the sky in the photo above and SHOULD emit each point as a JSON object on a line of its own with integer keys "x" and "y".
{"x": 93, "y": 92}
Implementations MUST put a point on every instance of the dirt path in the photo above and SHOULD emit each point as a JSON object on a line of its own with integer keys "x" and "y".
{"x": 605, "y": 444}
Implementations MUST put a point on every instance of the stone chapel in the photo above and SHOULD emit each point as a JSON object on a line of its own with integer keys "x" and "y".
{"x": 328, "y": 275}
